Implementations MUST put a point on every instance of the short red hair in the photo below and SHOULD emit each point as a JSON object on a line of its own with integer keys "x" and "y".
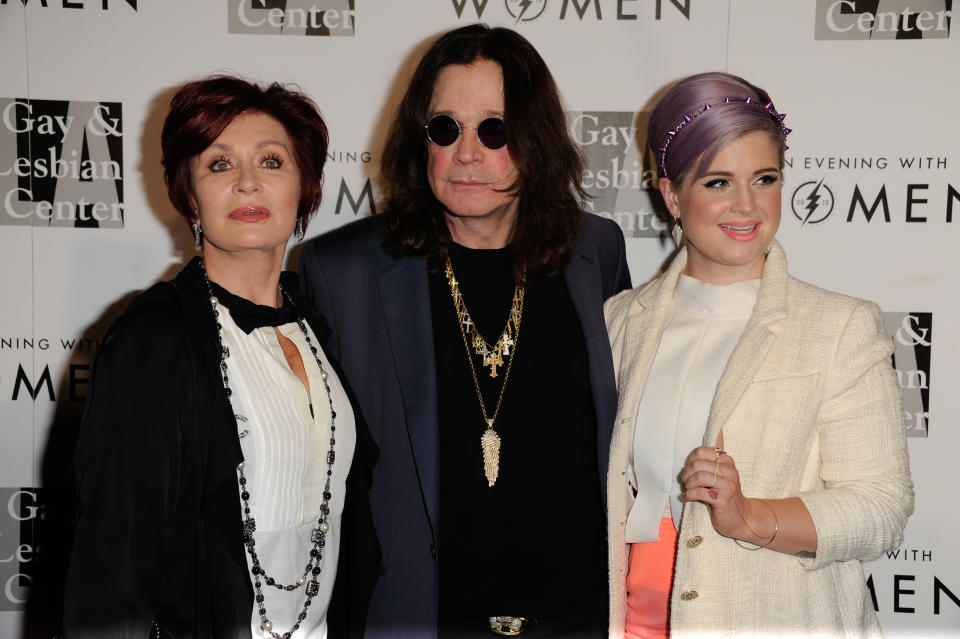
{"x": 201, "y": 110}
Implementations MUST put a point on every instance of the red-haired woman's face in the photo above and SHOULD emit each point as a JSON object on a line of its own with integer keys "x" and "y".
{"x": 246, "y": 187}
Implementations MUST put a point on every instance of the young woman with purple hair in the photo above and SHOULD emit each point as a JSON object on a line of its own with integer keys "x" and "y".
{"x": 759, "y": 452}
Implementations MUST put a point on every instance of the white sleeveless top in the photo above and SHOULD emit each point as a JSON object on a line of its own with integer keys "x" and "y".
{"x": 285, "y": 453}
{"x": 705, "y": 323}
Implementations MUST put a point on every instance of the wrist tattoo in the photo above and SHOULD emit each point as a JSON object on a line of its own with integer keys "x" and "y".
{"x": 806, "y": 554}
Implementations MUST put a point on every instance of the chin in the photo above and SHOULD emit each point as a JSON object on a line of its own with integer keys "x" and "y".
{"x": 259, "y": 243}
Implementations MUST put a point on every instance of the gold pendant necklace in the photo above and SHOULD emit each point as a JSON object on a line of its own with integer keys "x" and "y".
{"x": 492, "y": 357}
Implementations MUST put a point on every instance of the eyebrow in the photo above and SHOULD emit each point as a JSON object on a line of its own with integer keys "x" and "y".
{"x": 730, "y": 174}
{"x": 258, "y": 145}
{"x": 485, "y": 114}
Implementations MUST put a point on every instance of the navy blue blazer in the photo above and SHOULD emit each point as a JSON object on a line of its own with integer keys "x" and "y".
{"x": 377, "y": 302}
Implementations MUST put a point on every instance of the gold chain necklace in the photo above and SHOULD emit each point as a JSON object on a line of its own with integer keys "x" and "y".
{"x": 492, "y": 357}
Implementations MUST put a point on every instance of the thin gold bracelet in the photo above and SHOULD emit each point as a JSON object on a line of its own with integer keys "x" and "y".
{"x": 776, "y": 529}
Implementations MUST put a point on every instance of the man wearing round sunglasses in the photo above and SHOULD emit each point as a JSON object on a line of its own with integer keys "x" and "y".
{"x": 468, "y": 318}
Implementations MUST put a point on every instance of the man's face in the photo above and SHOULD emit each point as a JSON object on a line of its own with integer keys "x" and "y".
{"x": 469, "y": 179}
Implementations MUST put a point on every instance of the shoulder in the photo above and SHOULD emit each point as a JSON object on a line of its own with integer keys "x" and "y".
{"x": 600, "y": 230}
{"x": 356, "y": 249}
{"x": 152, "y": 328}
{"x": 156, "y": 310}
{"x": 362, "y": 235}
{"x": 823, "y": 304}
{"x": 345, "y": 263}
{"x": 838, "y": 321}
{"x": 807, "y": 302}
{"x": 623, "y": 300}
{"x": 601, "y": 239}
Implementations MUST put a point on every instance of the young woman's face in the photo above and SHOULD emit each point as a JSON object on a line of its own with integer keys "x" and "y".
{"x": 732, "y": 212}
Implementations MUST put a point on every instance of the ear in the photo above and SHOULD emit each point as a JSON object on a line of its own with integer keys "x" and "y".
{"x": 194, "y": 210}
{"x": 671, "y": 196}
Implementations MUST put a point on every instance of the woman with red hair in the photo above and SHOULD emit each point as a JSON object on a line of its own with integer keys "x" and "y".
{"x": 217, "y": 434}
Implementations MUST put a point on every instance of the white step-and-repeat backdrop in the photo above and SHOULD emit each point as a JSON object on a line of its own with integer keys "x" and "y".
{"x": 872, "y": 186}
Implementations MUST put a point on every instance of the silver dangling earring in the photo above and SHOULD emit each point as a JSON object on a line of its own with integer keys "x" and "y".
{"x": 677, "y": 233}
{"x": 197, "y": 232}
{"x": 298, "y": 232}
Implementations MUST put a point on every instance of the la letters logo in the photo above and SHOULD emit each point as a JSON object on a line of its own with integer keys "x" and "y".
{"x": 619, "y": 178}
{"x": 292, "y": 17}
{"x": 882, "y": 19}
{"x": 912, "y": 339}
{"x": 61, "y": 163}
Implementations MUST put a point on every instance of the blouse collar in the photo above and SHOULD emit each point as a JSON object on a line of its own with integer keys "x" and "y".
{"x": 248, "y": 315}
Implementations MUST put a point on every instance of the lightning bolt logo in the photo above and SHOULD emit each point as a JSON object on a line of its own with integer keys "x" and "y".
{"x": 813, "y": 200}
{"x": 524, "y": 5}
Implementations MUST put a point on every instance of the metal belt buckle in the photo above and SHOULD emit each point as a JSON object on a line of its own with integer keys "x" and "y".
{"x": 511, "y": 626}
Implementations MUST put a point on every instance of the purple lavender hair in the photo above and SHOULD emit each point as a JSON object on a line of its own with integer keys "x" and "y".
{"x": 699, "y": 141}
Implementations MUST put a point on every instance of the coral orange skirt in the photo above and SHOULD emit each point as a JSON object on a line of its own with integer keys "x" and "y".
{"x": 648, "y": 585}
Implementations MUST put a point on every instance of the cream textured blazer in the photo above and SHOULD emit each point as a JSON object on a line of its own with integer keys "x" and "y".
{"x": 809, "y": 407}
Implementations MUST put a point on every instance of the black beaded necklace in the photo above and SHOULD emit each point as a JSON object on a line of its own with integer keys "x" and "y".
{"x": 318, "y": 536}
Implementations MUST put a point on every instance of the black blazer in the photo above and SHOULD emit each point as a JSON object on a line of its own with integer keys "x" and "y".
{"x": 158, "y": 532}
{"x": 378, "y": 304}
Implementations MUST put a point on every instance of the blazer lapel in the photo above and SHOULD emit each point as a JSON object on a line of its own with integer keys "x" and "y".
{"x": 405, "y": 297}
{"x": 635, "y": 347}
{"x": 641, "y": 334}
{"x": 584, "y": 283}
{"x": 757, "y": 338}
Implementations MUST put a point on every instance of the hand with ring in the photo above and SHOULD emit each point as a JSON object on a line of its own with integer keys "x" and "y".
{"x": 710, "y": 476}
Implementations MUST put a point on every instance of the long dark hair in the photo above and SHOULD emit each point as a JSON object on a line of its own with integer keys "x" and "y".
{"x": 549, "y": 164}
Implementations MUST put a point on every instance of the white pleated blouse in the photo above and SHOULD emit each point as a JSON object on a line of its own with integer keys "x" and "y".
{"x": 705, "y": 323}
{"x": 285, "y": 463}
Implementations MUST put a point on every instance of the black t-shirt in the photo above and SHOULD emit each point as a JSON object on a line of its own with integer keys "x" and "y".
{"x": 534, "y": 544}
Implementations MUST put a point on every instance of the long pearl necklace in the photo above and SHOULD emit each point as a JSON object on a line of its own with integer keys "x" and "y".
{"x": 319, "y": 534}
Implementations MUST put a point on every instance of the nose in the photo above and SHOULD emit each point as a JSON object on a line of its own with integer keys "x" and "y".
{"x": 468, "y": 148}
{"x": 746, "y": 200}
{"x": 247, "y": 179}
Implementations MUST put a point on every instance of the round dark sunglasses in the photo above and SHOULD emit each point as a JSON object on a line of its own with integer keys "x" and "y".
{"x": 443, "y": 130}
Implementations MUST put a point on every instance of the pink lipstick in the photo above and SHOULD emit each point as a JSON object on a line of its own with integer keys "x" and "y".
{"x": 741, "y": 231}
{"x": 249, "y": 213}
